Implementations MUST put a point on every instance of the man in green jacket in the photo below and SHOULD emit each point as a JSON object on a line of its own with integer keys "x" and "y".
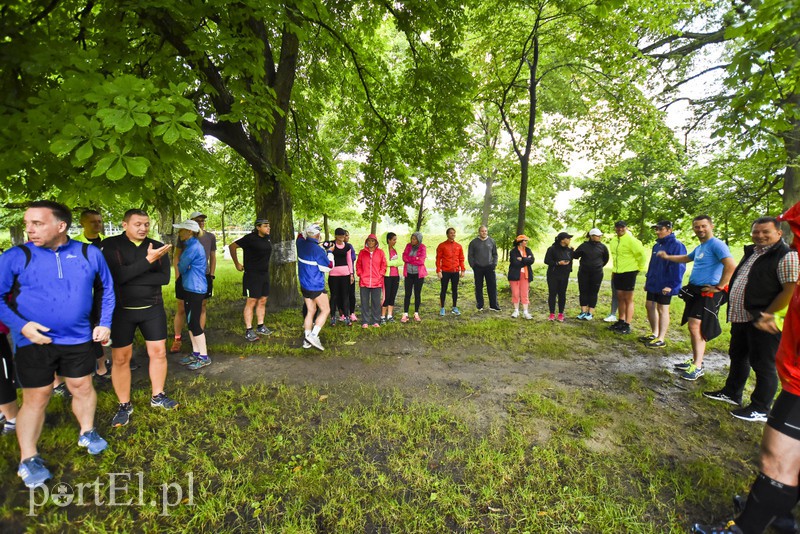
{"x": 628, "y": 258}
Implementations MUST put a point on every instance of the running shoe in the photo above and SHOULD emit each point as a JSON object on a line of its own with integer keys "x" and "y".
{"x": 455, "y": 311}
{"x": 417, "y": 318}
{"x": 624, "y": 328}
{"x": 92, "y": 441}
{"x": 526, "y": 315}
{"x": 494, "y": 308}
{"x": 383, "y": 321}
{"x": 748, "y": 413}
{"x": 560, "y": 318}
{"x": 729, "y": 528}
{"x": 263, "y": 331}
{"x": 188, "y": 359}
{"x": 722, "y": 397}
{"x": 581, "y": 316}
{"x": 390, "y": 319}
{"x": 353, "y": 317}
{"x": 376, "y": 325}
{"x": 333, "y": 320}
{"x": 645, "y": 339}
{"x": 176, "y": 346}
{"x": 162, "y": 401}
{"x": 611, "y": 318}
{"x": 551, "y": 317}
{"x": 588, "y": 317}
{"x": 62, "y": 391}
{"x": 9, "y": 428}
{"x": 251, "y": 336}
{"x": 33, "y": 472}
{"x": 365, "y": 325}
{"x": 404, "y": 318}
{"x": 656, "y": 344}
{"x": 123, "y": 415}
{"x": 315, "y": 341}
{"x": 442, "y": 312}
{"x": 683, "y": 365}
{"x": 515, "y": 314}
{"x": 348, "y": 322}
{"x": 199, "y": 363}
{"x": 692, "y": 373}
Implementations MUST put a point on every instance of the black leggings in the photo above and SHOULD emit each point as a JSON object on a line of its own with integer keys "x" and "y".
{"x": 413, "y": 281}
{"x": 340, "y": 290}
{"x": 589, "y": 281}
{"x": 8, "y": 390}
{"x": 391, "y": 284}
{"x": 558, "y": 288}
{"x": 453, "y": 279}
{"x": 193, "y": 304}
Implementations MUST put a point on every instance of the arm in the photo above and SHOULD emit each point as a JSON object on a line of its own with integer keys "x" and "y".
{"x": 461, "y": 260}
{"x": 109, "y": 300}
{"x": 729, "y": 265}
{"x": 606, "y": 256}
{"x": 233, "y": 247}
{"x": 494, "y": 254}
{"x": 641, "y": 255}
{"x": 11, "y": 265}
{"x": 682, "y": 258}
{"x": 439, "y": 253}
{"x": 548, "y": 257}
{"x": 578, "y": 252}
{"x": 212, "y": 263}
{"x": 680, "y": 249}
{"x": 140, "y": 268}
{"x": 176, "y": 258}
{"x": 528, "y": 259}
{"x": 471, "y": 254}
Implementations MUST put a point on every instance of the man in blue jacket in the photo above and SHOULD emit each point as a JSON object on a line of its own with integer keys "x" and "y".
{"x": 664, "y": 279}
{"x": 51, "y": 280}
{"x": 312, "y": 264}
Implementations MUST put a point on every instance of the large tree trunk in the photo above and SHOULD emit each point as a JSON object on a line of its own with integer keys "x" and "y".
{"x": 17, "y": 232}
{"x": 487, "y": 197}
{"x": 273, "y": 202}
{"x": 523, "y": 196}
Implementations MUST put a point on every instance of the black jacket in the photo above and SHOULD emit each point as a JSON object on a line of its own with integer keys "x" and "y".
{"x": 517, "y": 262}
{"x": 555, "y": 254}
{"x": 593, "y": 255}
{"x": 763, "y": 284}
{"x": 137, "y": 282}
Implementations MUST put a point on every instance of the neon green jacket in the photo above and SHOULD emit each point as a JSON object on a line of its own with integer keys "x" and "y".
{"x": 627, "y": 254}
{"x": 82, "y": 238}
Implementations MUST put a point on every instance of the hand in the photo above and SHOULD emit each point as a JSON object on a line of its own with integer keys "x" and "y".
{"x": 662, "y": 254}
{"x": 33, "y": 331}
{"x": 352, "y": 279}
{"x": 463, "y": 273}
{"x": 767, "y": 323}
{"x": 240, "y": 267}
{"x": 155, "y": 254}
{"x": 439, "y": 275}
{"x": 101, "y": 334}
{"x": 666, "y": 291}
{"x": 709, "y": 289}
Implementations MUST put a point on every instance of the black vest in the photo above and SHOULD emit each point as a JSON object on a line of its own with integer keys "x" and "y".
{"x": 763, "y": 284}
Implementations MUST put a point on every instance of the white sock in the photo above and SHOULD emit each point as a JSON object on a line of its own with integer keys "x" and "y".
{"x": 315, "y": 330}
{"x": 308, "y": 333}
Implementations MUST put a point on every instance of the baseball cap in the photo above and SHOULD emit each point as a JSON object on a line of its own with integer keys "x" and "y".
{"x": 262, "y": 221}
{"x": 196, "y": 214}
{"x": 595, "y": 231}
{"x": 313, "y": 229}
{"x": 620, "y": 224}
{"x": 662, "y": 224}
{"x": 563, "y": 235}
{"x": 521, "y": 237}
{"x": 187, "y": 225}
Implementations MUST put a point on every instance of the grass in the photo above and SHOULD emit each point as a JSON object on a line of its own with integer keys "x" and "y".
{"x": 571, "y": 450}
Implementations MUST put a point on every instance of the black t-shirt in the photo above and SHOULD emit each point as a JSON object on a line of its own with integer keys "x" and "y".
{"x": 96, "y": 241}
{"x": 257, "y": 251}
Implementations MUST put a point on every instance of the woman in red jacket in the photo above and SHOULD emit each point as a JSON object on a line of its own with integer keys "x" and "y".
{"x": 370, "y": 268}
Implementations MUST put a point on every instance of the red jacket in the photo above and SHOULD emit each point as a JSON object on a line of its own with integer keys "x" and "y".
{"x": 449, "y": 257}
{"x": 370, "y": 266}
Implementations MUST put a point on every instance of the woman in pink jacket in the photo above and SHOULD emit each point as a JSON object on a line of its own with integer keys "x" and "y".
{"x": 370, "y": 267}
{"x": 414, "y": 272}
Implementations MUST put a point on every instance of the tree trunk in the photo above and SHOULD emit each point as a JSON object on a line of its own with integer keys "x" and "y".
{"x": 791, "y": 176}
{"x": 17, "y": 232}
{"x": 273, "y": 202}
{"x": 526, "y": 156}
{"x": 222, "y": 217}
{"x": 420, "y": 210}
{"x": 487, "y": 197}
{"x": 523, "y": 196}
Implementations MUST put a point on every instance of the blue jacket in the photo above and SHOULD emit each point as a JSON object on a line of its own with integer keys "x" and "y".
{"x": 662, "y": 273}
{"x": 55, "y": 289}
{"x": 192, "y": 266}
{"x": 312, "y": 264}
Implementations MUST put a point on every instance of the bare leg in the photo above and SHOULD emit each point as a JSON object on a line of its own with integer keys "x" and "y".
{"x": 249, "y": 305}
{"x": 663, "y": 321}
{"x": 698, "y": 343}
{"x": 121, "y": 372}
{"x": 31, "y": 419}
{"x": 157, "y": 350}
{"x": 261, "y": 309}
{"x": 84, "y": 401}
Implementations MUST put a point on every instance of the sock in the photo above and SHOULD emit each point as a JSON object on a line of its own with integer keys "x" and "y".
{"x": 308, "y": 333}
{"x": 195, "y": 354}
{"x": 261, "y": 325}
{"x": 316, "y": 329}
{"x": 249, "y": 329}
{"x": 768, "y": 499}
{"x": 202, "y": 356}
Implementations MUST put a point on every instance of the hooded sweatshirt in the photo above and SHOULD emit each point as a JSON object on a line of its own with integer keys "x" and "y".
{"x": 370, "y": 265}
{"x": 662, "y": 273}
{"x": 414, "y": 258}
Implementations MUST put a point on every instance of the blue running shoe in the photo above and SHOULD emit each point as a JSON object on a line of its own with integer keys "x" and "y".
{"x": 162, "y": 401}
{"x": 442, "y": 312}
{"x": 683, "y": 365}
{"x": 188, "y": 359}
{"x": 456, "y": 311}
{"x": 692, "y": 373}
{"x": 92, "y": 441}
{"x": 199, "y": 363}
{"x": 33, "y": 472}
{"x": 123, "y": 415}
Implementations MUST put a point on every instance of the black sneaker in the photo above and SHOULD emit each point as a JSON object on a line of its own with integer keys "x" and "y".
{"x": 123, "y": 415}
{"x": 134, "y": 365}
{"x": 496, "y": 309}
{"x": 748, "y": 413}
{"x": 263, "y": 331}
{"x": 721, "y": 396}
{"x": 730, "y": 528}
{"x": 62, "y": 391}
{"x": 645, "y": 339}
{"x": 616, "y": 326}
{"x": 251, "y": 336}
{"x": 624, "y": 328}
{"x": 655, "y": 344}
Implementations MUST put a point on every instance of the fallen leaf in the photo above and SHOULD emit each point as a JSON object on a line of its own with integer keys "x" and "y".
{"x": 349, "y": 342}
{"x": 322, "y": 398}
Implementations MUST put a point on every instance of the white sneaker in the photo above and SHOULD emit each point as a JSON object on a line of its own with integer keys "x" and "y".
{"x": 527, "y": 315}
{"x": 306, "y": 344}
{"x": 611, "y": 318}
{"x": 314, "y": 341}
{"x": 515, "y": 314}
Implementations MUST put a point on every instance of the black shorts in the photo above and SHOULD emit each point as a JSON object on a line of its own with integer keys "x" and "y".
{"x": 694, "y": 307}
{"x": 151, "y": 322}
{"x": 8, "y": 386}
{"x": 624, "y": 281}
{"x": 180, "y": 293}
{"x": 311, "y": 294}
{"x": 255, "y": 285}
{"x": 785, "y": 415}
{"x": 659, "y": 298}
{"x": 37, "y": 365}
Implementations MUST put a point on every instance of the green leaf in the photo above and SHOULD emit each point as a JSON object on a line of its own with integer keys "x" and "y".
{"x": 142, "y": 119}
{"x": 103, "y": 164}
{"x": 63, "y": 146}
{"x": 171, "y": 135}
{"x": 84, "y": 152}
{"x": 117, "y": 172}
{"x": 136, "y": 165}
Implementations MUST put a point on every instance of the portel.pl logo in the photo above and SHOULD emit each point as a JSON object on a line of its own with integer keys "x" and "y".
{"x": 116, "y": 489}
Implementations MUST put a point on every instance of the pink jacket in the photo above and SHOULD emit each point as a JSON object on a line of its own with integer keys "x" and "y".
{"x": 418, "y": 260}
{"x": 370, "y": 266}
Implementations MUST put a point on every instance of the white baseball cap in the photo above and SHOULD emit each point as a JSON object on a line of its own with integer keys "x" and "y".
{"x": 187, "y": 225}
{"x": 313, "y": 229}
{"x": 595, "y": 231}
{"x": 196, "y": 214}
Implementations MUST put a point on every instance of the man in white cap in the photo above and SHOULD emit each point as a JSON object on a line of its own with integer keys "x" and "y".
{"x": 209, "y": 243}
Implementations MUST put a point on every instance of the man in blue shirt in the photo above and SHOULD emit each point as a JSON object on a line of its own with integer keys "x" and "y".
{"x": 51, "y": 280}
{"x": 708, "y": 286}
